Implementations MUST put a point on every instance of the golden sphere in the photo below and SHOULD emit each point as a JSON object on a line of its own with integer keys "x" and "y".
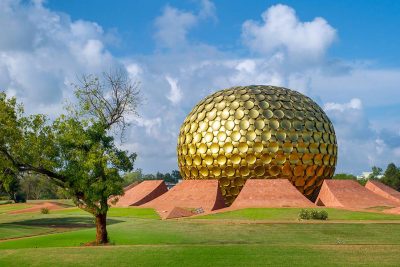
{"x": 257, "y": 132}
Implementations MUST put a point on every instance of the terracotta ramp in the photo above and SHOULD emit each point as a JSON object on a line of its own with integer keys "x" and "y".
{"x": 40, "y": 206}
{"x": 196, "y": 196}
{"x": 142, "y": 193}
{"x": 349, "y": 194}
{"x": 269, "y": 193}
{"x": 383, "y": 190}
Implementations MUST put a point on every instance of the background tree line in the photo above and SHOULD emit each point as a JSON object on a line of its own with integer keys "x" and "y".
{"x": 390, "y": 177}
{"x": 35, "y": 186}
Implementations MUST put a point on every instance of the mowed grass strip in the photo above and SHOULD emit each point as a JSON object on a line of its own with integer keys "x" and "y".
{"x": 291, "y": 214}
{"x": 206, "y": 255}
{"x": 8, "y": 231}
{"x": 133, "y": 231}
{"x": 133, "y": 212}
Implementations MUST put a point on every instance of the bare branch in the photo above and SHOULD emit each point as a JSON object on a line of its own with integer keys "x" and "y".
{"x": 110, "y": 101}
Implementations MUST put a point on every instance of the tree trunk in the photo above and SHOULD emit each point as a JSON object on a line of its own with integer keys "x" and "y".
{"x": 101, "y": 229}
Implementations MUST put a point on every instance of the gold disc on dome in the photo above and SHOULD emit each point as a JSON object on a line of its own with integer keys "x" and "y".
{"x": 244, "y": 124}
{"x": 259, "y": 124}
{"x": 250, "y": 136}
{"x": 274, "y": 170}
{"x": 264, "y": 105}
{"x": 214, "y": 148}
{"x": 243, "y": 147}
{"x": 266, "y": 135}
{"x": 228, "y": 148}
{"x": 221, "y": 159}
{"x": 229, "y": 171}
{"x": 274, "y": 124}
{"x": 259, "y": 170}
{"x": 235, "y": 158}
{"x": 251, "y": 159}
{"x": 266, "y": 158}
{"x": 202, "y": 148}
{"x": 273, "y": 147}
{"x": 229, "y": 125}
{"x": 208, "y": 159}
{"x": 235, "y": 135}
{"x": 208, "y": 137}
{"x": 258, "y": 147}
{"x": 244, "y": 170}
{"x": 249, "y": 104}
{"x": 253, "y": 113}
{"x": 239, "y": 114}
{"x": 221, "y": 136}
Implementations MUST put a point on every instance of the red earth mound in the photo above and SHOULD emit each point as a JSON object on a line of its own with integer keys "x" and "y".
{"x": 349, "y": 194}
{"x": 203, "y": 195}
{"x": 383, "y": 190}
{"x": 268, "y": 193}
{"x": 142, "y": 193}
{"x": 39, "y": 207}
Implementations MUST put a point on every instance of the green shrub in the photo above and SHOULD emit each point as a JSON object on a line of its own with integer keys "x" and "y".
{"x": 313, "y": 214}
{"x": 323, "y": 215}
{"x": 45, "y": 211}
{"x": 304, "y": 214}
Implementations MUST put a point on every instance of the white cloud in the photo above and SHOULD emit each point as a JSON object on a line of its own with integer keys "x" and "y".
{"x": 281, "y": 30}
{"x": 175, "y": 93}
{"x": 42, "y": 52}
{"x": 354, "y": 103}
{"x": 207, "y": 10}
{"x": 173, "y": 26}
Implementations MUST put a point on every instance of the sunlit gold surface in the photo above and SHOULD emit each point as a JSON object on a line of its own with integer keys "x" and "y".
{"x": 257, "y": 132}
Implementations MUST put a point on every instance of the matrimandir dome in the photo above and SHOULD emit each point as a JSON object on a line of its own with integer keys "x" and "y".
{"x": 257, "y": 132}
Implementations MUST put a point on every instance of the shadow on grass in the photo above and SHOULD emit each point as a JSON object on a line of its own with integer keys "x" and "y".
{"x": 67, "y": 222}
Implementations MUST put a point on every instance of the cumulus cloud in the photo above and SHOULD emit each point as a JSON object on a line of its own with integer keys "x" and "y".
{"x": 42, "y": 52}
{"x": 175, "y": 94}
{"x": 281, "y": 30}
{"x": 173, "y": 25}
{"x": 354, "y": 103}
{"x": 361, "y": 146}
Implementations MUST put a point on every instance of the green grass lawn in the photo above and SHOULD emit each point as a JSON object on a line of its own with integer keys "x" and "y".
{"x": 140, "y": 238}
{"x": 291, "y": 214}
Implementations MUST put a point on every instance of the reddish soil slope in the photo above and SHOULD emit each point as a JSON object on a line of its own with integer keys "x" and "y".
{"x": 203, "y": 195}
{"x": 142, "y": 193}
{"x": 268, "y": 193}
{"x": 39, "y": 207}
{"x": 349, "y": 194}
{"x": 383, "y": 190}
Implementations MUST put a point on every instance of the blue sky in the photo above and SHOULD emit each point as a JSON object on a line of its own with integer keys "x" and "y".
{"x": 367, "y": 29}
{"x": 343, "y": 54}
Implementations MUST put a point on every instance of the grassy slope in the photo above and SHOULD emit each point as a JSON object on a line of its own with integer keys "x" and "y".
{"x": 292, "y": 214}
{"x": 152, "y": 242}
